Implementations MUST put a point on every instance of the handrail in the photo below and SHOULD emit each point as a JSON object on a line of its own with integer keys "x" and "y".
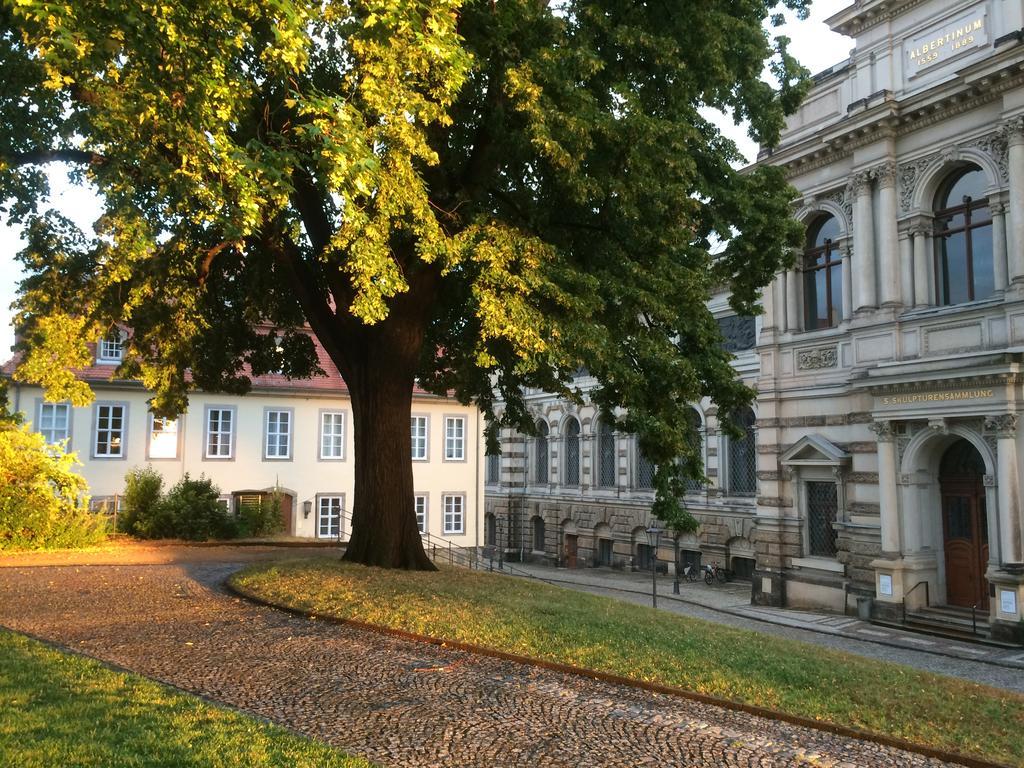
{"x": 927, "y": 597}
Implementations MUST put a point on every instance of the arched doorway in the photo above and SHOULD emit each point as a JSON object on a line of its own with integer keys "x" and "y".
{"x": 964, "y": 525}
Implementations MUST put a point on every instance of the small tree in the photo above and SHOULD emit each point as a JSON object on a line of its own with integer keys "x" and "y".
{"x": 42, "y": 500}
{"x": 142, "y": 489}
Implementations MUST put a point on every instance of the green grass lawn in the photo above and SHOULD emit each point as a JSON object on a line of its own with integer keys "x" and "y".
{"x": 63, "y": 710}
{"x": 560, "y": 625}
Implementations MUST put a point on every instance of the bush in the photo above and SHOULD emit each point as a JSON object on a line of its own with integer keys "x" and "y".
{"x": 260, "y": 519}
{"x": 142, "y": 490}
{"x": 190, "y": 510}
{"x": 42, "y": 500}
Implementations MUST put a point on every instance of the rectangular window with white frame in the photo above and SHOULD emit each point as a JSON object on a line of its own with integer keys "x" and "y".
{"x": 420, "y": 505}
{"x": 328, "y": 516}
{"x": 220, "y": 433}
{"x": 109, "y": 430}
{"x": 332, "y": 435}
{"x": 54, "y": 421}
{"x": 454, "y": 513}
{"x": 277, "y": 443}
{"x": 110, "y": 349}
{"x": 163, "y": 438}
{"x": 419, "y": 426}
{"x": 454, "y": 438}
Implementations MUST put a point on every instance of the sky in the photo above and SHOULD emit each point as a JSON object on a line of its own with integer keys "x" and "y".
{"x": 813, "y": 44}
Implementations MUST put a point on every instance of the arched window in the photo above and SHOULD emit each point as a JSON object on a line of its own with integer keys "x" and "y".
{"x": 540, "y": 473}
{"x": 742, "y": 458}
{"x": 645, "y": 469}
{"x": 692, "y": 484}
{"x": 606, "y": 455}
{"x": 572, "y": 452}
{"x": 823, "y": 275}
{"x": 963, "y": 239}
{"x": 538, "y": 534}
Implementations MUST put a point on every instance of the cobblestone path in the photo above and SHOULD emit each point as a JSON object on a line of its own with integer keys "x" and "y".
{"x": 397, "y": 702}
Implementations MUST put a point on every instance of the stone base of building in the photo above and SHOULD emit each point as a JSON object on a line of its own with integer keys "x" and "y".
{"x": 1007, "y": 632}
{"x": 768, "y": 588}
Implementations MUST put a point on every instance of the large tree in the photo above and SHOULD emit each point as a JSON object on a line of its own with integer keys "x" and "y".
{"x": 478, "y": 195}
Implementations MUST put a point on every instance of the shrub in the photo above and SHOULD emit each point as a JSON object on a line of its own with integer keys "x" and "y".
{"x": 143, "y": 486}
{"x": 191, "y": 510}
{"x": 260, "y": 519}
{"x": 42, "y": 500}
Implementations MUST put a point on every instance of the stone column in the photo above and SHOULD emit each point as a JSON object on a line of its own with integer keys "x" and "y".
{"x": 906, "y": 269}
{"x": 780, "y": 301}
{"x": 887, "y": 491}
{"x": 922, "y": 267}
{"x": 999, "y": 267}
{"x": 864, "y": 244}
{"x": 1007, "y": 486}
{"x": 1014, "y": 131}
{"x": 793, "y": 300}
{"x": 768, "y": 308}
{"x": 847, "y": 282}
{"x": 889, "y": 268}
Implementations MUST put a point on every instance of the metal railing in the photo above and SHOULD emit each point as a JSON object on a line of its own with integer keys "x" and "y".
{"x": 446, "y": 551}
{"x": 927, "y": 598}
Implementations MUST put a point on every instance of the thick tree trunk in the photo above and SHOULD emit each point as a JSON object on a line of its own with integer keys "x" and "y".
{"x": 384, "y": 531}
{"x": 379, "y": 369}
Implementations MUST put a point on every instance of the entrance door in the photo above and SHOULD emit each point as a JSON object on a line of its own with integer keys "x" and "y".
{"x": 570, "y": 550}
{"x": 964, "y": 526}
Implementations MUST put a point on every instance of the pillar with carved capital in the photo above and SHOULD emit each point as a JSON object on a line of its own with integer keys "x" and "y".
{"x": 999, "y": 268}
{"x": 793, "y": 300}
{"x": 1007, "y": 486}
{"x": 887, "y": 491}
{"x": 922, "y": 283}
{"x": 847, "y": 282}
{"x": 1014, "y": 131}
{"x": 864, "y": 243}
{"x": 890, "y": 273}
{"x": 907, "y": 268}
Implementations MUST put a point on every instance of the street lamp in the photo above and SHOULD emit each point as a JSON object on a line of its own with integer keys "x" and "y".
{"x": 653, "y": 534}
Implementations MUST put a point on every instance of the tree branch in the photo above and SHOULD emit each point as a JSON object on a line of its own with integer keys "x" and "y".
{"x": 310, "y": 205}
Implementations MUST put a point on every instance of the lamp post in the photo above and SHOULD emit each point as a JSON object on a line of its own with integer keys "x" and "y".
{"x": 675, "y": 570}
{"x": 653, "y": 533}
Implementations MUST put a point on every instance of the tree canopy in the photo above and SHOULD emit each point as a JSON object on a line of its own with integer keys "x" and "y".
{"x": 478, "y": 195}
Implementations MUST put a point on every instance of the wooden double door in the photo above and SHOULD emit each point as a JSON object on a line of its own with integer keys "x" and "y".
{"x": 964, "y": 527}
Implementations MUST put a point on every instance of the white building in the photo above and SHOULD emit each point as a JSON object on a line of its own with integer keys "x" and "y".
{"x": 888, "y": 361}
{"x": 295, "y": 436}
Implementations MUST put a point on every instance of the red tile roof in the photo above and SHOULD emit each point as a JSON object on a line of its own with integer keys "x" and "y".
{"x": 332, "y": 382}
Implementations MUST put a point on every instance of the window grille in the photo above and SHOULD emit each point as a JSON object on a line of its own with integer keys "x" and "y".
{"x": 493, "y": 467}
{"x": 743, "y": 459}
{"x": 606, "y": 455}
{"x": 822, "y": 510}
{"x": 645, "y": 470}
{"x": 695, "y": 484}
{"x": 572, "y": 453}
{"x": 541, "y": 455}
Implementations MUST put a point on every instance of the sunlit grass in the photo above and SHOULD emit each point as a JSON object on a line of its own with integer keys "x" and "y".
{"x": 63, "y": 710}
{"x": 560, "y": 625}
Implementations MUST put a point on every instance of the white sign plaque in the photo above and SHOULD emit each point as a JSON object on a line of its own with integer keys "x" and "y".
{"x": 943, "y": 42}
{"x": 884, "y": 584}
{"x": 1007, "y": 601}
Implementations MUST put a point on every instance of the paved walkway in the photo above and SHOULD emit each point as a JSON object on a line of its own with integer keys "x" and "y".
{"x": 397, "y": 702}
{"x": 730, "y": 604}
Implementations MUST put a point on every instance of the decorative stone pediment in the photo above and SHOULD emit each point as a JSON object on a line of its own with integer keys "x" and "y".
{"x": 814, "y": 451}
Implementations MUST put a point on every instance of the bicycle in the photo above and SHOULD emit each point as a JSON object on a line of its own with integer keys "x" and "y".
{"x": 714, "y": 572}
{"x": 690, "y": 573}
